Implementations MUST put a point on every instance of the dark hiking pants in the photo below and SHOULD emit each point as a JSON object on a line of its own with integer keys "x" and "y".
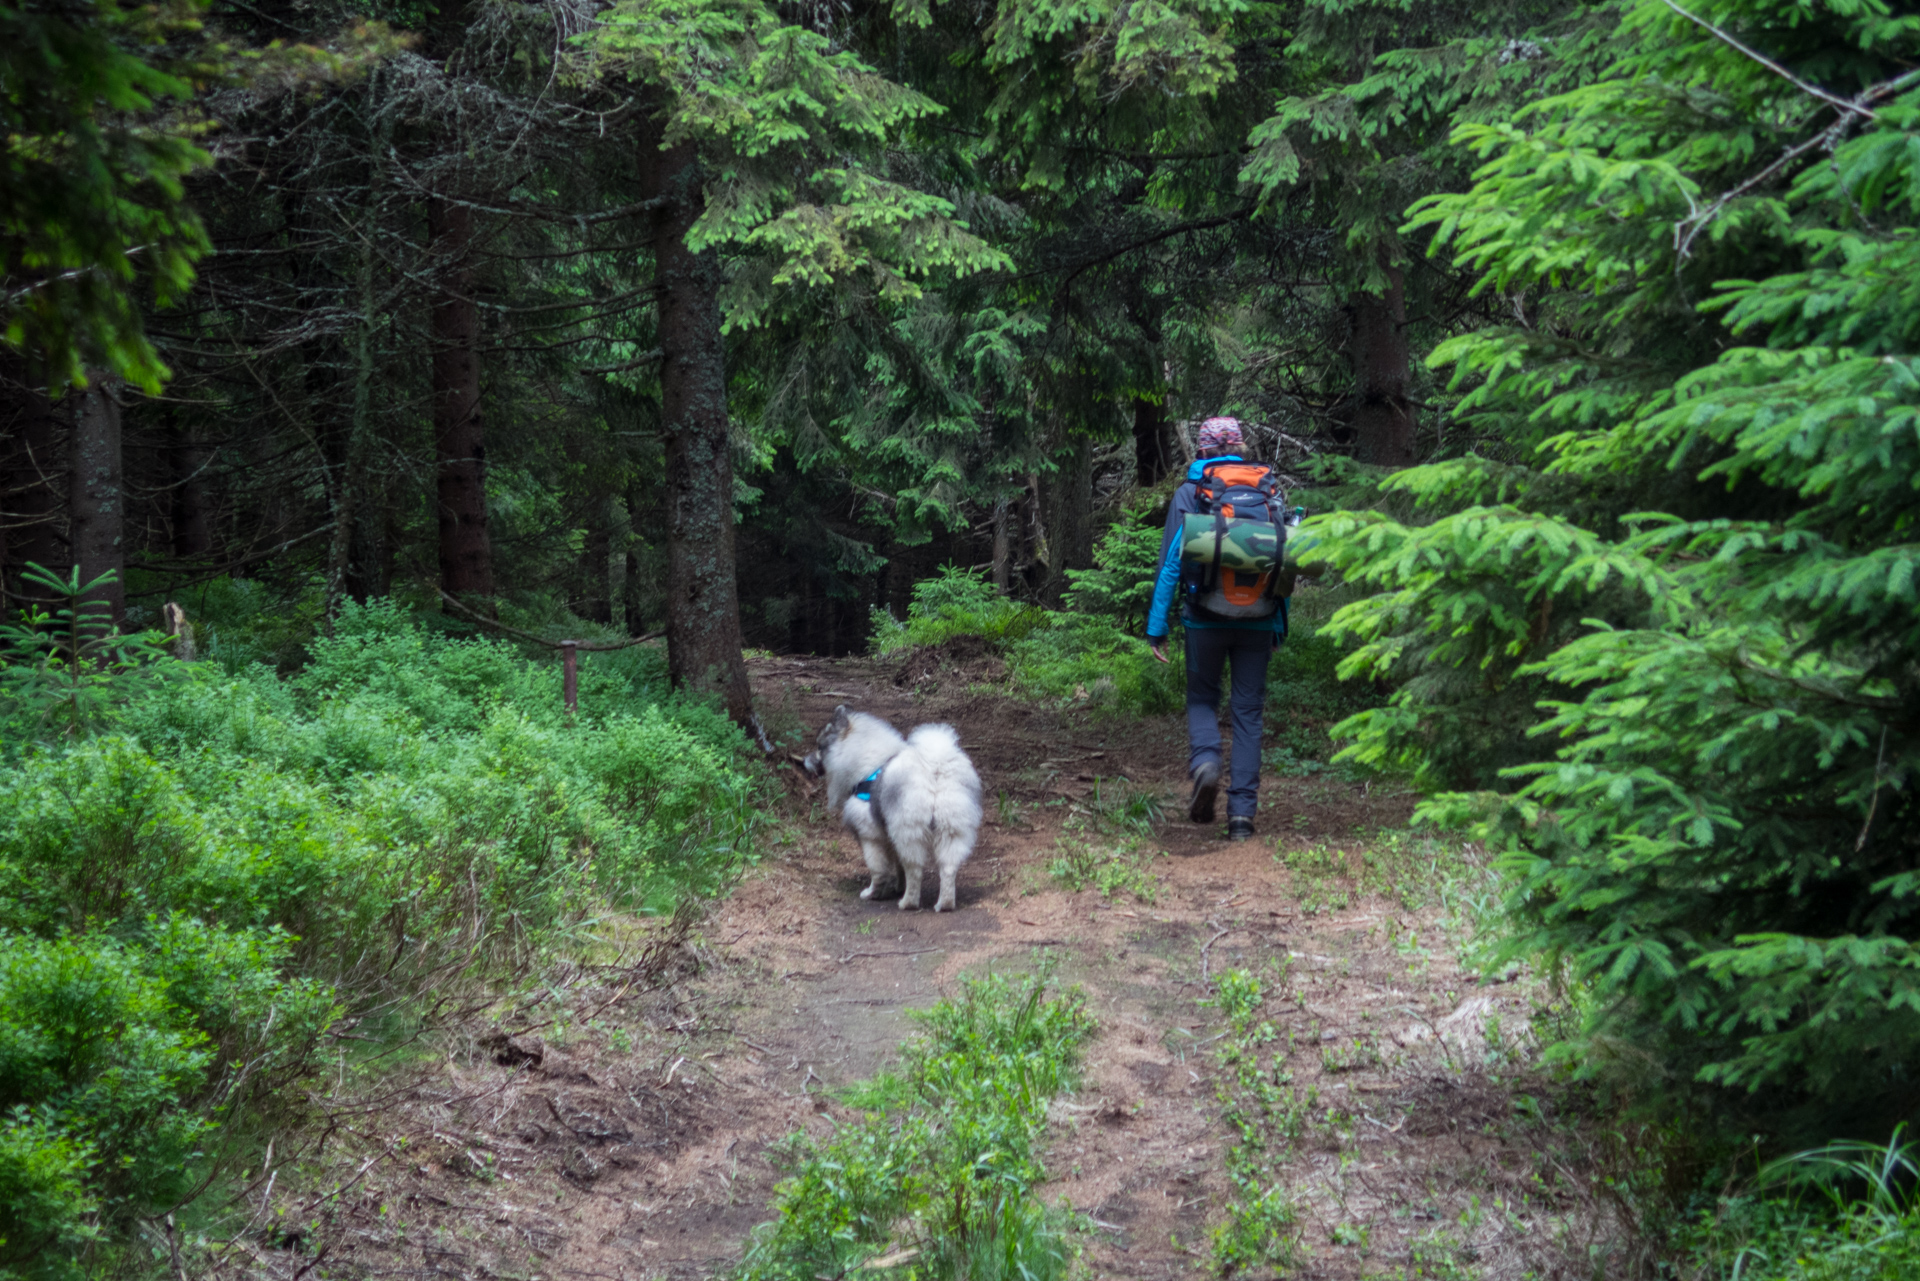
{"x": 1209, "y": 650}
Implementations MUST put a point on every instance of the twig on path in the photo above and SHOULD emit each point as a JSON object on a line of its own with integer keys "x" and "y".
{"x": 1208, "y": 944}
{"x": 921, "y": 952}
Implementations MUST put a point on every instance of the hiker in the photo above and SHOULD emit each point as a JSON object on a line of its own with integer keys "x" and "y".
{"x": 1231, "y": 617}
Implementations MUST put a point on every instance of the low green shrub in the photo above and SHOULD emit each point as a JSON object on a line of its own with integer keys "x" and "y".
{"x": 960, "y": 602}
{"x": 191, "y": 902}
{"x": 1125, "y": 566}
{"x": 1087, "y": 659}
{"x": 941, "y": 1170}
{"x": 117, "y": 1057}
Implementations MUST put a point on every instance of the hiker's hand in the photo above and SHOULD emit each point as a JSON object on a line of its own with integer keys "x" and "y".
{"x": 1159, "y": 648}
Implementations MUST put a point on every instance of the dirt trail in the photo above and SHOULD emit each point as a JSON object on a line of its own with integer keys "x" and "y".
{"x": 635, "y": 1139}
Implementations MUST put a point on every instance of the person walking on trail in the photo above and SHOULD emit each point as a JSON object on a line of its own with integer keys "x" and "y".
{"x": 1233, "y": 620}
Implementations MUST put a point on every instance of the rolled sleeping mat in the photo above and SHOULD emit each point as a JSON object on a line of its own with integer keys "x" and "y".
{"x": 1249, "y": 546}
{"x": 1299, "y": 547}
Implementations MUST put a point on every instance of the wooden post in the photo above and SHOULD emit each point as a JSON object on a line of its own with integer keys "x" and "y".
{"x": 570, "y": 681}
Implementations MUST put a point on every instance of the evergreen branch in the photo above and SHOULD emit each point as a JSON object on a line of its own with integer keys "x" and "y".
{"x": 584, "y": 648}
{"x": 1165, "y": 233}
{"x": 227, "y": 567}
{"x": 1685, "y": 231}
{"x": 653, "y": 357}
{"x": 1804, "y": 87}
{"x": 1823, "y": 689}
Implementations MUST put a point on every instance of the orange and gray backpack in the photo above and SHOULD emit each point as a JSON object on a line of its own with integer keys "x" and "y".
{"x": 1232, "y": 549}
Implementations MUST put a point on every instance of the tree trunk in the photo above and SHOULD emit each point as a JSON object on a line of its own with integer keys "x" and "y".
{"x": 1382, "y": 407}
{"x": 1002, "y": 547}
{"x": 97, "y": 502}
{"x": 466, "y": 550}
{"x": 596, "y": 556}
{"x": 31, "y": 484}
{"x": 191, "y": 518}
{"x": 703, "y": 604}
{"x": 1152, "y": 441}
{"x": 1068, "y": 497}
{"x": 1036, "y": 557}
{"x": 639, "y": 519}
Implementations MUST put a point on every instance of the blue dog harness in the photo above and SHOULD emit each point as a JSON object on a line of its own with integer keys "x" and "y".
{"x": 864, "y": 792}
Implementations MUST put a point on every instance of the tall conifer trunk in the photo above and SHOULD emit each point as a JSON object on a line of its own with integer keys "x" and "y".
{"x": 1383, "y": 406}
{"x": 466, "y": 549}
{"x": 191, "y": 515}
{"x": 595, "y": 603}
{"x": 703, "y": 604}
{"x": 1002, "y": 547}
{"x": 1152, "y": 441}
{"x": 97, "y": 501}
{"x": 1067, "y": 496}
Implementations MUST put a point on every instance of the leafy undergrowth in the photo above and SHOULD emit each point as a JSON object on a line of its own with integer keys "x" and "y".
{"x": 1093, "y": 655}
{"x": 217, "y": 889}
{"x": 1061, "y": 656}
{"x": 937, "y": 1180}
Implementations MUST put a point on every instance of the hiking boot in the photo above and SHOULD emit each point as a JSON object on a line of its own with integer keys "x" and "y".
{"x": 1239, "y": 828}
{"x": 1206, "y": 785}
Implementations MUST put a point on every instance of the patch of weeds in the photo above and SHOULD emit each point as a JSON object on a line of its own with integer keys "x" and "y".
{"x": 1010, "y": 809}
{"x": 1122, "y": 868}
{"x": 937, "y": 1177}
{"x": 1266, "y": 1117}
{"x": 1122, "y": 803}
{"x": 618, "y": 1039}
{"x": 865, "y": 927}
{"x": 1438, "y": 1256}
{"x": 1402, "y": 866}
{"x": 1357, "y": 1057}
{"x": 1419, "y": 959}
{"x": 1319, "y": 876}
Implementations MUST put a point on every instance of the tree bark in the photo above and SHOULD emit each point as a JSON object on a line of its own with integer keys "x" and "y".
{"x": 191, "y": 517}
{"x": 1036, "y": 557}
{"x": 1002, "y": 547}
{"x": 703, "y": 604}
{"x": 1382, "y": 376}
{"x": 596, "y": 564}
{"x": 1067, "y": 495}
{"x": 1152, "y": 441}
{"x": 466, "y": 548}
{"x": 31, "y": 484}
{"x": 97, "y": 502}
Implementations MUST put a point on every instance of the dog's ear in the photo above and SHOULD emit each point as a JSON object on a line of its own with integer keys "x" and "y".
{"x": 840, "y": 719}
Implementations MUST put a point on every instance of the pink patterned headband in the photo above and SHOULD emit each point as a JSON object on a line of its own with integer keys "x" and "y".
{"x": 1219, "y": 433}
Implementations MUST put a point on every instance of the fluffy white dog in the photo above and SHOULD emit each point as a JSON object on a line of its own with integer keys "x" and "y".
{"x": 913, "y": 803}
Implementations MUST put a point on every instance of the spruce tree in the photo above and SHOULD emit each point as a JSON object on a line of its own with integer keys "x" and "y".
{"x": 1705, "y": 568}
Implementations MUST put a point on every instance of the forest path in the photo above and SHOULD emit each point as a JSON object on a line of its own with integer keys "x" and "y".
{"x": 641, "y": 1141}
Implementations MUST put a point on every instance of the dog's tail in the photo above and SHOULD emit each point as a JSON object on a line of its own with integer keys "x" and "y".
{"x": 951, "y": 790}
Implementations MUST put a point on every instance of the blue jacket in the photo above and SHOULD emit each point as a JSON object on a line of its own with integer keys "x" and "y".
{"x": 1186, "y": 501}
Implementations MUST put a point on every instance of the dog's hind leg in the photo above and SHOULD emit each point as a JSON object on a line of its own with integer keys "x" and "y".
{"x": 880, "y": 861}
{"x": 913, "y": 861}
{"x": 950, "y": 851}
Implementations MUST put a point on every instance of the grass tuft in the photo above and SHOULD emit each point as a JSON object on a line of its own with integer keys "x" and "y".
{"x": 937, "y": 1178}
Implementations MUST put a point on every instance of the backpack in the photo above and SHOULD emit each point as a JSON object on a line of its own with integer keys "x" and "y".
{"x": 1231, "y": 550}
